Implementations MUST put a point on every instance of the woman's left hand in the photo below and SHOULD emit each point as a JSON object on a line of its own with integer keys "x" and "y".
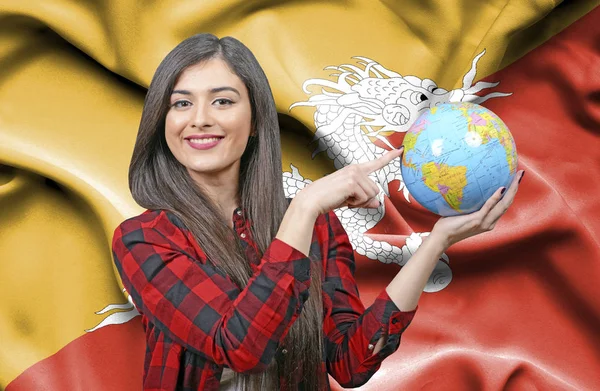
{"x": 453, "y": 229}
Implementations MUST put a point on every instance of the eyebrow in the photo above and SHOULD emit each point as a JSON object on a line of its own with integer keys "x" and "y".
{"x": 212, "y": 91}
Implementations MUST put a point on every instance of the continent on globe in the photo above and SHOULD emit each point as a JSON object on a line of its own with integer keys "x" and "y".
{"x": 456, "y": 155}
{"x": 447, "y": 180}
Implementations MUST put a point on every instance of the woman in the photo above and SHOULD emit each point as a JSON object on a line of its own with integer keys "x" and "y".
{"x": 238, "y": 287}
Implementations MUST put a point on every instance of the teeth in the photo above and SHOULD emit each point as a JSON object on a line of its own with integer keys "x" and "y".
{"x": 203, "y": 140}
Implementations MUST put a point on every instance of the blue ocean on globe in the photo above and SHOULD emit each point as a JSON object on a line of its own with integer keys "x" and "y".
{"x": 456, "y": 155}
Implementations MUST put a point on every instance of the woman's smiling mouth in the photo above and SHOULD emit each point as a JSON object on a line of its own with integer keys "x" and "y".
{"x": 203, "y": 142}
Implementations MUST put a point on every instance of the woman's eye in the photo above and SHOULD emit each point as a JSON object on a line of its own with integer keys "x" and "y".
{"x": 181, "y": 103}
{"x": 223, "y": 102}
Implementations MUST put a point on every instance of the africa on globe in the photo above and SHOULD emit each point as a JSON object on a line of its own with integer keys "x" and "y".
{"x": 456, "y": 155}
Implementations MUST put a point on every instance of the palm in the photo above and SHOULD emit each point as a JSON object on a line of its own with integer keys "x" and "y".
{"x": 456, "y": 228}
{"x": 461, "y": 226}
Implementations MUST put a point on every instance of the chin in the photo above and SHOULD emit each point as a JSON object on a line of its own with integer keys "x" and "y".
{"x": 206, "y": 168}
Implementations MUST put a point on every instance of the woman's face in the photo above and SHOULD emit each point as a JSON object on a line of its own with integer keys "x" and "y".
{"x": 209, "y": 120}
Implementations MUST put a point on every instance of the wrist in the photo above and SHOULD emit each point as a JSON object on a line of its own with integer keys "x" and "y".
{"x": 300, "y": 204}
{"x": 440, "y": 241}
{"x": 297, "y": 226}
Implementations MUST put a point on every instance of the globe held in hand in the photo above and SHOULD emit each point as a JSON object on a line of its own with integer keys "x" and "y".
{"x": 456, "y": 155}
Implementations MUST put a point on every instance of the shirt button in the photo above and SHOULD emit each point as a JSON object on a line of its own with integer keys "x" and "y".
{"x": 284, "y": 351}
{"x": 243, "y": 235}
{"x": 239, "y": 212}
{"x": 371, "y": 346}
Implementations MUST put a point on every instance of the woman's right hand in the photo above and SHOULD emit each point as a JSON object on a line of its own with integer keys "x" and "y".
{"x": 349, "y": 186}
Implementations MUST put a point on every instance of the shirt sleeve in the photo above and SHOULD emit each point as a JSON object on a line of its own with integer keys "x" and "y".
{"x": 200, "y": 308}
{"x": 352, "y": 331}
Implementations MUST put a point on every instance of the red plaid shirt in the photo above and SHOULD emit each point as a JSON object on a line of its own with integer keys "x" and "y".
{"x": 197, "y": 320}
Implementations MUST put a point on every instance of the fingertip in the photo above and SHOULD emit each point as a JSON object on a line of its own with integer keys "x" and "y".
{"x": 399, "y": 151}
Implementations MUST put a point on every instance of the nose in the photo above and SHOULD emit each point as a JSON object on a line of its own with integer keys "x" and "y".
{"x": 202, "y": 117}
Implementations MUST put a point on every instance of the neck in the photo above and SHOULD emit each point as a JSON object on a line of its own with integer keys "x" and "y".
{"x": 222, "y": 189}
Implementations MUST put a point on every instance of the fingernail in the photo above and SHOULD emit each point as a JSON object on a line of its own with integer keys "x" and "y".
{"x": 503, "y": 190}
{"x": 522, "y": 175}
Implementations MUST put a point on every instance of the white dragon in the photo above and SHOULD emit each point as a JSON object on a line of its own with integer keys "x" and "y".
{"x": 364, "y": 102}
{"x": 371, "y": 100}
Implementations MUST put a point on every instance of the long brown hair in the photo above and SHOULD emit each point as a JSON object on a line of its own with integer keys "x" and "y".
{"x": 158, "y": 181}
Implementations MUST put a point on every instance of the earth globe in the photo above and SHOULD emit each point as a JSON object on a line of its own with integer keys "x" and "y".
{"x": 456, "y": 155}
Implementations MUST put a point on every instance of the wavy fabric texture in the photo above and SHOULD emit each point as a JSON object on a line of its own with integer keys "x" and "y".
{"x": 521, "y": 310}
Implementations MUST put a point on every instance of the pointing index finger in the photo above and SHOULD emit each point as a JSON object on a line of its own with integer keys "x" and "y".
{"x": 382, "y": 161}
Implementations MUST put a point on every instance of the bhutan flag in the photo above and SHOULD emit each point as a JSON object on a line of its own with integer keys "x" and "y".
{"x": 514, "y": 309}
